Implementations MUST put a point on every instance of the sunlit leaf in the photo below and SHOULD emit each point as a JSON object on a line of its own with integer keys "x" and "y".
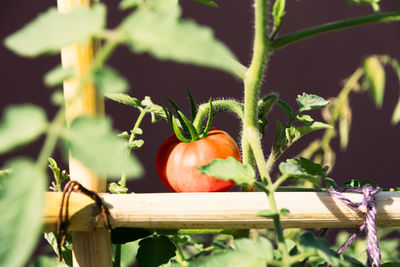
{"x": 155, "y": 251}
{"x": 97, "y": 146}
{"x": 52, "y": 30}
{"x": 108, "y": 80}
{"x": 124, "y": 99}
{"x": 165, "y": 37}
{"x": 375, "y": 75}
{"x": 246, "y": 253}
{"x": 230, "y": 169}
{"x": 21, "y": 205}
{"x": 310, "y": 102}
{"x": 20, "y": 125}
{"x": 303, "y": 168}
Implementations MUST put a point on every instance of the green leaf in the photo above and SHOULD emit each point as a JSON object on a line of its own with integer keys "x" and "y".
{"x": 136, "y": 144}
{"x": 267, "y": 214}
{"x": 108, "y": 80}
{"x": 128, "y": 253}
{"x": 124, "y": 99}
{"x": 155, "y": 251}
{"x": 21, "y": 124}
{"x": 363, "y": 2}
{"x": 310, "y": 102}
{"x": 278, "y": 11}
{"x": 318, "y": 246}
{"x": 126, "y": 4}
{"x": 230, "y": 169}
{"x": 286, "y": 108}
{"x": 52, "y": 30}
{"x": 375, "y": 76}
{"x": 246, "y": 253}
{"x": 157, "y": 111}
{"x": 284, "y": 212}
{"x": 308, "y": 128}
{"x": 396, "y": 113}
{"x": 304, "y": 118}
{"x": 21, "y": 206}
{"x": 161, "y": 34}
{"x": 66, "y": 250}
{"x": 303, "y": 169}
{"x": 97, "y": 146}
{"x": 207, "y": 2}
{"x": 57, "y": 76}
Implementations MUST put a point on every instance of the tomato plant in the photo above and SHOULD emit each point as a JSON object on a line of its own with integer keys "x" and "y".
{"x": 177, "y": 162}
{"x": 197, "y": 158}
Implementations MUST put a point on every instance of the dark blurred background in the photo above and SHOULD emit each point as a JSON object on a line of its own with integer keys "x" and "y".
{"x": 316, "y": 65}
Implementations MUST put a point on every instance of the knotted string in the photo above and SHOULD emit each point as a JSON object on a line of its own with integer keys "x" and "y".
{"x": 373, "y": 252}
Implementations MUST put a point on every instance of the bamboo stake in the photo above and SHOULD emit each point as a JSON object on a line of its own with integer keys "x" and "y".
{"x": 89, "y": 248}
{"x": 219, "y": 210}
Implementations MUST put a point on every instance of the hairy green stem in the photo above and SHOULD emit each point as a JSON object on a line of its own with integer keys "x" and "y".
{"x": 230, "y": 105}
{"x": 143, "y": 112}
{"x": 333, "y": 26}
{"x": 251, "y": 138}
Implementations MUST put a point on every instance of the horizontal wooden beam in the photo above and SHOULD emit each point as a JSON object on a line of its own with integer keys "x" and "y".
{"x": 234, "y": 210}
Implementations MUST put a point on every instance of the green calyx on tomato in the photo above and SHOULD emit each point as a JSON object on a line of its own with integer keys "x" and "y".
{"x": 190, "y": 132}
{"x": 191, "y": 147}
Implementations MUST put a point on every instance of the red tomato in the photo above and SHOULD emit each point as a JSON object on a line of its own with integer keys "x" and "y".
{"x": 177, "y": 162}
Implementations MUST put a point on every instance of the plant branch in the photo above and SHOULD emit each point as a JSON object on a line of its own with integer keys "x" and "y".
{"x": 333, "y": 26}
{"x": 229, "y": 105}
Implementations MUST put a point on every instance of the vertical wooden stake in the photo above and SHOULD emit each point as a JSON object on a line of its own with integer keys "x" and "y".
{"x": 89, "y": 248}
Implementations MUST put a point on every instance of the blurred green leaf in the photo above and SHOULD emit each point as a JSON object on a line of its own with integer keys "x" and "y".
{"x": 375, "y": 76}
{"x": 66, "y": 249}
{"x": 230, "y": 169}
{"x": 207, "y": 2}
{"x": 396, "y": 113}
{"x": 108, "y": 80}
{"x": 126, "y": 4}
{"x": 278, "y": 11}
{"x": 21, "y": 206}
{"x": 160, "y": 33}
{"x": 344, "y": 124}
{"x": 303, "y": 168}
{"x": 308, "y": 102}
{"x": 21, "y": 124}
{"x": 128, "y": 253}
{"x": 52, "y": 30}
{"x": 97, "y": 146}
{"x": 363, "y": 2}
{"x": 155, "y": 251}
{"x": 246, "y": 253}
{"x": 318, "y": 246}
{"x": 47, "y": 261}
{"x": 57, "y": 76}
{"x": 124, "y": 99}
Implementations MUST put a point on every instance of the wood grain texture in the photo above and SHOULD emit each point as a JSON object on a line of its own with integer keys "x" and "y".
{"x": 219, "y": 210}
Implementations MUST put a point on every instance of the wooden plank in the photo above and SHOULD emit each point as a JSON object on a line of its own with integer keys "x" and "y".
{"x": 219, "y": 210}
{"x": 89, "y": 248}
